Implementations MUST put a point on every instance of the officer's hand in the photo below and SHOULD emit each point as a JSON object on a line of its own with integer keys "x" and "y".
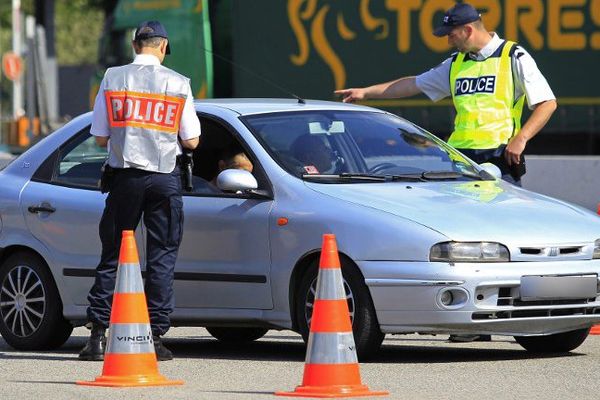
{"x": 513, "y": 151}
{"x": 351, "y": 95}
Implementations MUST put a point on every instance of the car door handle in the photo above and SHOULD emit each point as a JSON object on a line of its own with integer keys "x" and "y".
{"x": 44, "y": 207}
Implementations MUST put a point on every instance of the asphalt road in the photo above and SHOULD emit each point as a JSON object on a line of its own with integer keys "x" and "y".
{"x": 409, "y": 367}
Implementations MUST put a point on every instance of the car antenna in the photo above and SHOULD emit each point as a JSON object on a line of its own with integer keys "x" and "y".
{"x": 270, "y": 82}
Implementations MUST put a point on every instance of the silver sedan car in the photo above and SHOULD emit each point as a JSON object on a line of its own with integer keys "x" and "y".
{"x": 429, "y": 241}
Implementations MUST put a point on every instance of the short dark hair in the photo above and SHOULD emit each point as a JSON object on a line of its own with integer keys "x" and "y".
{"x": 150, "y": 42}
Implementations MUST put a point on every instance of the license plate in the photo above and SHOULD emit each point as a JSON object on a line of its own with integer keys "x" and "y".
{"x": 553, "y": 287}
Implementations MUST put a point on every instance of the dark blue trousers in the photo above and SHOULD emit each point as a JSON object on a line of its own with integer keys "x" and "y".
{"x": 157, "y": 197}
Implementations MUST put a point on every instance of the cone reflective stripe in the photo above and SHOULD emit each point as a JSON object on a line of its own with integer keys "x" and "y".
{"x": 344, "y": 342}
{"x": 329, "y": 285}
{"x": 129, "y": 359}
{"x": 130, "y": 339}
{"x": 331, "y": 368}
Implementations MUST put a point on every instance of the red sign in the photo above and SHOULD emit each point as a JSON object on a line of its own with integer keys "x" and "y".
{"x": 12, "y": 65}
{"x": 144, "y": 110}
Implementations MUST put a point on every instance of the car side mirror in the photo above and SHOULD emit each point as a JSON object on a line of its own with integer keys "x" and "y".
{"x": 491, "y": 170}
{"x": 236, "y": 180}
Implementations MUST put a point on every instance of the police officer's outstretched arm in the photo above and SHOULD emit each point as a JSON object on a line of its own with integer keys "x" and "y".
{"x": 402, "y": 87}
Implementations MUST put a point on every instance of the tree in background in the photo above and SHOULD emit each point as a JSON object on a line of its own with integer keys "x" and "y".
{"x": 6, "y": 45}
{"x": 78, "y": 26}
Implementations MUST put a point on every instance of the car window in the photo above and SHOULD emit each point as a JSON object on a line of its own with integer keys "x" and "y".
{"x": 80, "y": 163}
{"x": 330, "y": 142}
{"x": 220, "y": 149}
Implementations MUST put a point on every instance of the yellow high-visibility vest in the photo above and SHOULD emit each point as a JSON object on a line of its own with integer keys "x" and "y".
{"x": 487, "y": 115}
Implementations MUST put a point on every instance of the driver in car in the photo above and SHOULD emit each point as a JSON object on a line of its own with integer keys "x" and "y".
{"x": 316, "y": 156}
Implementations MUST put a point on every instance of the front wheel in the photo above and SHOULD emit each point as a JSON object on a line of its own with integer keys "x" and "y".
{"x": 557, "y": 343}
{"x": 30, "y": 307}
{"x": 367, "y": 334}
{"x": 236, "y": 335}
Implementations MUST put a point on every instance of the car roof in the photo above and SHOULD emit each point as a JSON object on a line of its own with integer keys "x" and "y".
{"x": 248, "y": 106}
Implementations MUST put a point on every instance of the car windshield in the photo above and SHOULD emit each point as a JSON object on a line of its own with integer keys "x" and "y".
{"x": 360, "y": 146}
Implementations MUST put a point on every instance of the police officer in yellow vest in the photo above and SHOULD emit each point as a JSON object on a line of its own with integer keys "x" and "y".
{"x": 144, "y": 113}
{"x": 488, "y": 79}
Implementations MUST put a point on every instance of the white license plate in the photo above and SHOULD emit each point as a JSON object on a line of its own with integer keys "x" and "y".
{"x": 552, "y": 287}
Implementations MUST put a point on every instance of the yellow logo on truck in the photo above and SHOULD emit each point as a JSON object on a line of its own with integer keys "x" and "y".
{"x": 560, "y": 25}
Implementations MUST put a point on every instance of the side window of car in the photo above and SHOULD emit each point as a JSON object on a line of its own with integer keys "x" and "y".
{"x": 219, "y": 146}
{"x": 80, "y": 163}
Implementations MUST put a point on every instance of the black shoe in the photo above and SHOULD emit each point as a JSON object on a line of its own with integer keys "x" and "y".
{"x": 162, "y": 353}
{"x": 95, "y": 346}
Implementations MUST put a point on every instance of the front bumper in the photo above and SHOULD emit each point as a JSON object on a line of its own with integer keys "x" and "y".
{"x": 407, "y": 298}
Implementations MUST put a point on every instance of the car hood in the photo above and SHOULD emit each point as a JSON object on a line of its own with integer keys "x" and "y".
{"x": 475, "y": 210}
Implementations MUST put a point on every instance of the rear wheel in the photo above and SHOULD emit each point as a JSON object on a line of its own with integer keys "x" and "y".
{"x": 367, "y": 334}
{"x": 30, "y": 307}
{"x": 236, "y": 335}
{"x": 557, "y": 343}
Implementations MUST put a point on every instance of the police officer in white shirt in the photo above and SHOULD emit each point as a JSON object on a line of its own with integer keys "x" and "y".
{"x": 144, "y": 113}
{"x": 488, "y": 79}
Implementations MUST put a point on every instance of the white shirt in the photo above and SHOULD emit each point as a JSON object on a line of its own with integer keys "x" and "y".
{"x": 528, "y": 79}
{"x": 189, "y": 127}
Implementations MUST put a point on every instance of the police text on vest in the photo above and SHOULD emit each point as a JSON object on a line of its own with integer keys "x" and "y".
{"x": 157, "y": 112}
{"x": 482, "y": 84}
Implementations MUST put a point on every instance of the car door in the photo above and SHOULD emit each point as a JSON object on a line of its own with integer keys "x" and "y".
{"x": 224, "y": 258}
{"x": 62, "y": 205}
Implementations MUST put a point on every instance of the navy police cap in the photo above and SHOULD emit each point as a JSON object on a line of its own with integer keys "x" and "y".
{"x": 150, "y": 29}
{"x": 460, "y": 14}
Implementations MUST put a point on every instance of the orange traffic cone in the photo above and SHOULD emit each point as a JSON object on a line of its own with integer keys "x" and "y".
{"x": 595, "y": 330}
{"x": 331, "y": 368}
{"x": 129, "y": 359}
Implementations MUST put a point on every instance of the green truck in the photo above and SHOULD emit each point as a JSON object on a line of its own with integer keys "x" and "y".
{"x": 272, "y": 48}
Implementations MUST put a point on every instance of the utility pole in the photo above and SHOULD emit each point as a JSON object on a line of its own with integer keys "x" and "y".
{"x": 16, "y": 45}
{"x": 44, "y": 16}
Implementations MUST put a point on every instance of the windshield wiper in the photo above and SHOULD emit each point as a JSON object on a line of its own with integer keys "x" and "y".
{"x": 407, "y": 177}
{"x": 346, "y": 176}
{"x": 446, "y": 175}
{"x": 419, "y": 177}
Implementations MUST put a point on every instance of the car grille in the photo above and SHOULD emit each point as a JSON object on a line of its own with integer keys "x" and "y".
{"x": 539, "y": 313}
{"x": 551, "y": 252}
{"x": 509, "y": 297}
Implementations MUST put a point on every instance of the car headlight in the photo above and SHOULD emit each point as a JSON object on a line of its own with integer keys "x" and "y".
{"x": 596, "y": 249}
{"x": 472, "y": 252}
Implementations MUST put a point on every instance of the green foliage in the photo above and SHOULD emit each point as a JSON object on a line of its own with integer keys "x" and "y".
{"x": 78, "y": 29}
{"x": 78, "y": 25}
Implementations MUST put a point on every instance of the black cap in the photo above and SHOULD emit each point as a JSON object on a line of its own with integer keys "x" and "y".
{"x": 460, "y": 14}
{"x": 150, "y": 29}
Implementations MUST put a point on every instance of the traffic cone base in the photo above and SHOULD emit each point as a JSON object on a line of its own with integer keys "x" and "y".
{"x": 323, "y": 379}
{"x": 331, "y": 368}
{"x": 332, "y": 392}
{"x": 117, "y": 369}
{"x": 130, "y": 358}
{"x": 595, "y": 330}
